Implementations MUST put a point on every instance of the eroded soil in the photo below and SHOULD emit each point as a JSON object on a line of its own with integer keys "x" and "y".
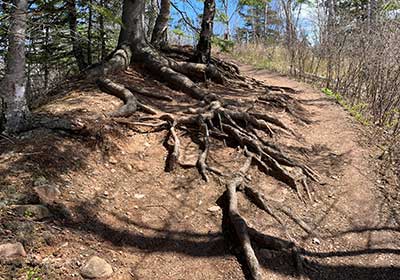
{"x": 117, "y": 201}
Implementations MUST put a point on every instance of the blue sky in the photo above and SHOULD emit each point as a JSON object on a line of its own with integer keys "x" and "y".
{"x": 192, "y": 8}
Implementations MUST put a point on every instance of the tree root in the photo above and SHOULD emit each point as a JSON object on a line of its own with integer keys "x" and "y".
{"x": 173, "y": 158}
{"x": 287, "y": 103}
{"x": 146, "y": 93}
{"x": 259, "y": 200}
{"x": 131, "y": 102}
{"x": 247, "y": 235}
{"x": 219, "y": 119}
{"x": 240, "y": 224}
{"x": 63, "y": 124}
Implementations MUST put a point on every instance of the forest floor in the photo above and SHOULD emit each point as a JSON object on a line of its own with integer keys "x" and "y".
{"x": 109, "y": 195}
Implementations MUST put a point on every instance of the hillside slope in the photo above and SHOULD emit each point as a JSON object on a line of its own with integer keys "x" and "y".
{"x": 109, "y": 195}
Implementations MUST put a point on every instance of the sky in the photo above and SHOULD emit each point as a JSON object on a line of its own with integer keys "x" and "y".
{"x": 193, "y": 8}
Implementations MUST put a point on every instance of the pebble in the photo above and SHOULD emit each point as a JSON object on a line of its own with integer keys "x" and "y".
{"x": 139, "y": 196}
{"x": 213, "y": 209}
{"x": 12, "y": 250}
{"x": 316, "y": 241}
{"x": 96, "y": 267}
{"x": 47, "y": 193}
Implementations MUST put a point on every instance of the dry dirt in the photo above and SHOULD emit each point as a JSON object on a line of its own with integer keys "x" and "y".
{"x": 117, "y": 201}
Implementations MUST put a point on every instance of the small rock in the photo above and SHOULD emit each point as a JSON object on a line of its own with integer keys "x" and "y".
{"x": 213, "y": 209}
{"x": 96, "y": 267}
{"x": 105, "y": 193}
{"x": 112, "y": 160}
{"x": 113, "y": 170}
{"x": 316, "y": 241}
{"x": 139, "y": 196}
{"x": 129, "y": 167}
{"x": 37, "y": 212}
{"x": 47, "y": 193}
{"x": 12, "y": 250}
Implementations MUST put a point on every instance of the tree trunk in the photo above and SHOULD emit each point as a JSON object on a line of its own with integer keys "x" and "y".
{"x": 159, "y": 36}
{"x": 266, "y": 20}
{"x": 47, "y": 54}
{"x": 132, "y": 30}
{"x": 77, "y": 48}
{"x": 203, "y": 50}
{"x": 103, "y": 51}
{"x": 13, "y": 105}
{"x": 153, "y": 6}
{"x": 227, "y": 33}
{"x": 133, "y": 45}
{"x": 89, "y": 33}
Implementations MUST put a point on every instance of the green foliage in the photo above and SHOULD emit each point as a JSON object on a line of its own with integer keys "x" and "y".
{"x": 178, "y": 32}
{"x": 28, "y": 214}
{"x": 222, "y": 44}
{"x": 393, "y": 5}
{"x": 254, "y": 3}
{"x": 32, "y": 274}
{"x": 107, "y": 14}
{"x": 355, "y": 110}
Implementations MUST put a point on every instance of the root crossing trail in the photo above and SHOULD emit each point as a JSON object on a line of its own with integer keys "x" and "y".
{"x": 358, "y": 226}
{"x": 114, "y": 198}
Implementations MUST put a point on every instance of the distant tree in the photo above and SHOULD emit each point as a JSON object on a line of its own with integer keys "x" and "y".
{"x": 77, "y": 47}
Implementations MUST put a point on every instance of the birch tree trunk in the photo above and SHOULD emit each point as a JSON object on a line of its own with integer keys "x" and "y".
{"x": 13, "y": 105}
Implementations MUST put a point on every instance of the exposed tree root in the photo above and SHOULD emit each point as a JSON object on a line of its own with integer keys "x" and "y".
{"x": 71, "y": 126}
{"x": 219, "y": 119}
{"x": 239, "y": 224}
{"x": 146, "y": 93}
{"x": 130, "y": 100}
{"x": 260, "y": 201}
{"x": 285, "y": 102}
{"x": 122, "y": 93}
{"x": 247, "y": 235}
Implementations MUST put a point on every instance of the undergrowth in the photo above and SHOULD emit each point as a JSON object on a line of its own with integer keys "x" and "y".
{"x": 355, "y": 110}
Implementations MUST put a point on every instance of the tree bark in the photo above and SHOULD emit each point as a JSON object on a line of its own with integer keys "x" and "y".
{"x": 153, "y": 13}
{"x": 77, "y": 48}
{"x": 103, "y": 52}
{"x": 13, "y": 105}
{"x": 203, "y": 50}
{"x": 89, "y": 33}
{"x": 132, "y": 30}
{"x": 159, "y": 36}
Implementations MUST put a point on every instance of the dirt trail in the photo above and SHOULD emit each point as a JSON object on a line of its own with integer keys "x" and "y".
{"x": 358, "y": 224}
{"x": 116, "y": 201}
